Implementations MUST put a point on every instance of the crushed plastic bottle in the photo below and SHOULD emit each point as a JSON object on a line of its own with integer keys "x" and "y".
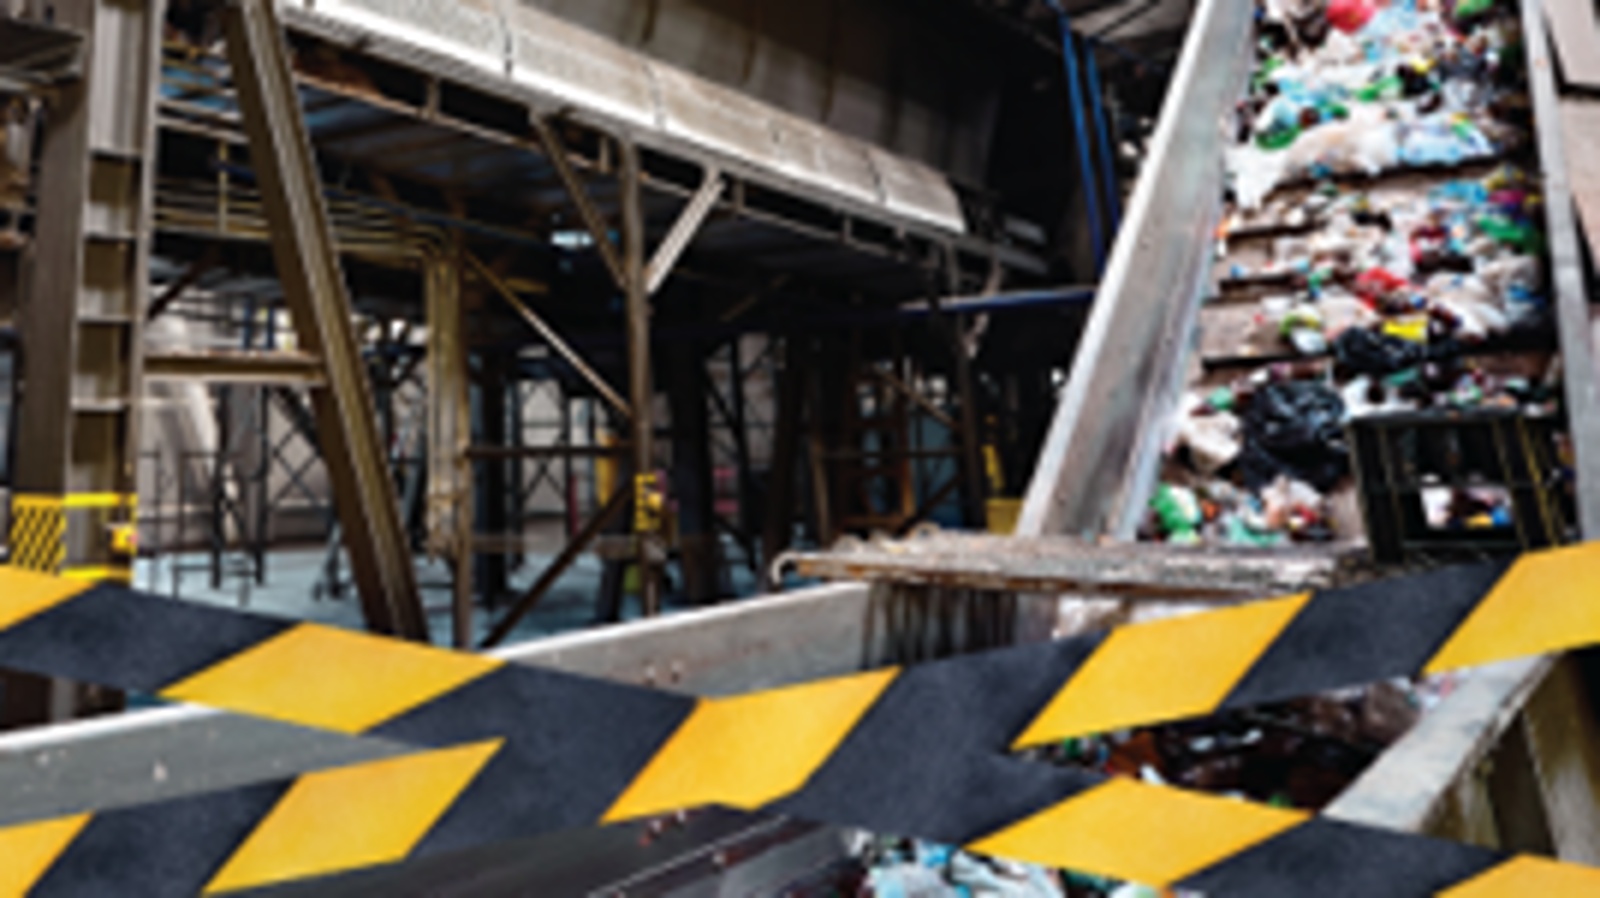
{"x": 1178, "y": 511}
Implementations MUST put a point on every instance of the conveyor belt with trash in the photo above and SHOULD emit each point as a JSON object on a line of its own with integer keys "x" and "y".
{"x": 1381, "y": 251}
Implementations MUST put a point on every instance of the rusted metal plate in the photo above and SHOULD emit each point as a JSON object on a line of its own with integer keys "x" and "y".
{"x": 1580, "y": 129}
{"x": 1059, "y": 564}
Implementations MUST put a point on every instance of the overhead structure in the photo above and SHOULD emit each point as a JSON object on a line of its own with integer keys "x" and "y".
{"x": 558, "y": 67}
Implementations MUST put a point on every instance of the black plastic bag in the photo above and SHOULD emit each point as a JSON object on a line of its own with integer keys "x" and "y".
{"x": 1295, "y": 428}
{"x": 1361, "y": 351}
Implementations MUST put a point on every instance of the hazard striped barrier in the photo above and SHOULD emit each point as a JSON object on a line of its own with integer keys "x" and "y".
{"x": 1155, "y": 672}
{"x": 343, "y": 819}
{"x": 919, "y": 752}
{"x": 514, "y": 750}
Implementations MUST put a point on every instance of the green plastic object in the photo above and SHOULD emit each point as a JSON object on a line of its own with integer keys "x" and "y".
{"x": 1177, "y": 519}
{"x": 1277, "y": 138}
{"x": 1519, "y": 235}
{"x": 1386, "y": 88}
{"x": 1240, "y": 534}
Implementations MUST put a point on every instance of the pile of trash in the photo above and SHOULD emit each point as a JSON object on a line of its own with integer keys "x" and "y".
{"x": 1376, "y": 296}
{"x": 908, "y": 868}
{"x": 1299, "y": 754}
{"x": 1364, "y": 87}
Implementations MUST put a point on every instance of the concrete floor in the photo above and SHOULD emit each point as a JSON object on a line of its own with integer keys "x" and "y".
{"x": 293, "y": 574}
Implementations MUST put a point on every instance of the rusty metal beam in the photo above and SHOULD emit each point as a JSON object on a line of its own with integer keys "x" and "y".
{"x": 911, "y": 393}
{"x": 928, "y": 505}
{"x": 175, "y": 290}
{"x": 1063, "y": 565}
{"x": 556, "y": 149}
{"x": 559, "y": 565}
{"x": 641, "y": 390}
{"x": 236, "y": 366}
{"x": 560, "y": 451}
{"x": 314, "y": 287}
{"x": 683, "y": 230}
{"x": 550, "y": 336}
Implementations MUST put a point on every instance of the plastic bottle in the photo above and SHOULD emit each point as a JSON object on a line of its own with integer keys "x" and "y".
{"x": 1178, "y": 510}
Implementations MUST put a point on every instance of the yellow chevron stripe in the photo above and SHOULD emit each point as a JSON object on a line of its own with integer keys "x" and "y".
{"x": 96, "y": 573}
{"x": 30, "y": 501}
{"x": 1154, "y": 835}
{"x": 24, "y": 594}
{"x": 1545, "y": 602}
{"x": 99, "y": 500}
{"x": 745, "y": 751}
{"x": 38, "y": 531}
{"x": 27, "y": 851}
{"x": 1530, "y": 877}
{"x": 353, "y": 817}
{"x": 1162, "y": 670}
{"x": 335, "y": 679}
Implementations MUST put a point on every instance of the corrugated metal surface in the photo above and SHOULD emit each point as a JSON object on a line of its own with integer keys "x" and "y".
{"x": 471, "y": 30}
{"x": 562, "y": 60}
{"x": 567, "y": 67}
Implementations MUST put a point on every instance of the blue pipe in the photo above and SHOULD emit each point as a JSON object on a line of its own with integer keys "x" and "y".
{"x": 1108, "y": 166}
{"x": 1069, "y": 55}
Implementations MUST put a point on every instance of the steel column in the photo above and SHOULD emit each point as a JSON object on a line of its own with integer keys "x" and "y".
{"x": 640, "y": 388}
{"x": 786, "y": 435}
{"x": 970, "y": 441}
{"x": 692, "y": 486}
{"x": 314, "y": 288}
{"x": 85, "y": 289}
{"x": 1108, "y": 166}
{"x": 449, "y": 494}
{"x": 1080, "y": 128}
{"x": 489, "y": 479}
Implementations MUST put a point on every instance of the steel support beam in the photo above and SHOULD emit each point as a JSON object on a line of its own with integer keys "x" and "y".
{"x": 490, "y": 484}
{"x": 786, "y": 437}
{"x": 1054, "y": 565}
{"x": 448, "y": 509}
{"x": 82, "y": 312}
{"x": 548, "y": 333}
{"x": 236, "y": 366}
{"x": 556, "y": 149}
{"x": 968, "y": 438}
{"x": 915, "y": 396}
{"x": 683, "y": 230}
{"x": 699, "y": 549}
{"x": 641, "y": 391}
{"x": 314, "y": 288}
{"x": 558, "y": 566}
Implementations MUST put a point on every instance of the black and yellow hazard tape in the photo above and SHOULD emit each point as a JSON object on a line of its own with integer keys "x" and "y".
{"x": 1148, "y": 673}
{"x": 38, "y": 535}
{"x": 38, "y": 539}
{"x": 512, "y": 750}
{"x": 919, "y": 752}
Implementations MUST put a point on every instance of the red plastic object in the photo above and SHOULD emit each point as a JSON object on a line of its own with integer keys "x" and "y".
{"x": 1350, "y": 16}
